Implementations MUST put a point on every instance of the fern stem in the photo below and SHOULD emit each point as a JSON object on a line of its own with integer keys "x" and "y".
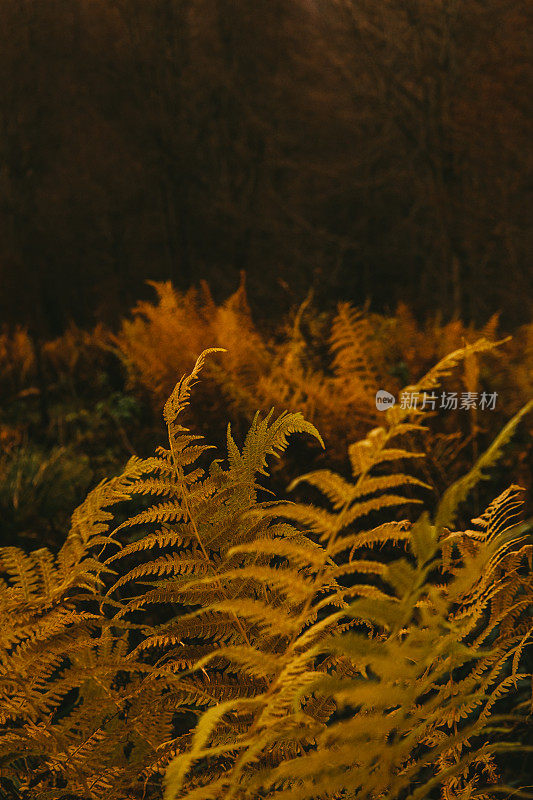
{"x": 188, "y": 511}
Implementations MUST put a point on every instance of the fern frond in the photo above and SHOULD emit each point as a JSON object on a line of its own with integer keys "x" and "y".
{"x": 433, "y": 378}
{"x": 458, "y": 492}
{"x": 181, "y": 394}
{"x": 265, "y": 438}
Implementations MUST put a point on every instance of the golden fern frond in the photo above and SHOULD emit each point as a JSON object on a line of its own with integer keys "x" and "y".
{"x": 458, "y": 492}
{"x": 21, "y": 572}
{"x": 373, "y": 450}
{"x": 300, "y": 550}
{"x": 271, "y": 438}
{"x": 350, "y": 336}
{"x": 339, "y": 491}
{"x": 387, "y": 532}
{"x": 175, "y": 536}
{"x": 433, "y": 378}
{"x": 327, "y": 524}
{"x": 352, "y": 501}
{"x": 181, "y": 394}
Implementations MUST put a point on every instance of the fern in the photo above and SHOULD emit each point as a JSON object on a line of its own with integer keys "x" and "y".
{"x": 457, "y": 493}
{"x": 399, "y": 682}
{"x": 317, "y": 664}
{"x": 412, "y": 716}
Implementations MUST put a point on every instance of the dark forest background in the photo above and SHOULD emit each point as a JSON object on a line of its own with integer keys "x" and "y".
{"x": 368, "y": 149}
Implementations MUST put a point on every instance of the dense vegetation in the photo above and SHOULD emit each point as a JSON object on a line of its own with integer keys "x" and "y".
{"x": 198, "y": 634}
{"x": 74, "y": 409}
{"x": 304, "y": 571}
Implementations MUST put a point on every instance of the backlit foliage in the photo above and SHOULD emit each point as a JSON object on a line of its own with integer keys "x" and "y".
{"x": 162, "y": 339}
{"x": 195, "y": 630}
{"x": 328, "y": 368}
{"x": 69, "y": 355}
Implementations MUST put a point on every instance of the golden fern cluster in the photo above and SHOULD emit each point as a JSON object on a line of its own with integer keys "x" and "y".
{"x": 162, "y": 339}
{"x": 316, "y": 665}
{"x": 75, "y": 352}
{"x": 58, "y": 659}
{"x": 261, "y": 371}
{"x": 329, "y": 367}
{"x": 386, "y": 648}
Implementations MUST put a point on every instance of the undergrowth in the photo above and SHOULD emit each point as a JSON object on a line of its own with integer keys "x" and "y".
{"x": 198, "y": 636}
